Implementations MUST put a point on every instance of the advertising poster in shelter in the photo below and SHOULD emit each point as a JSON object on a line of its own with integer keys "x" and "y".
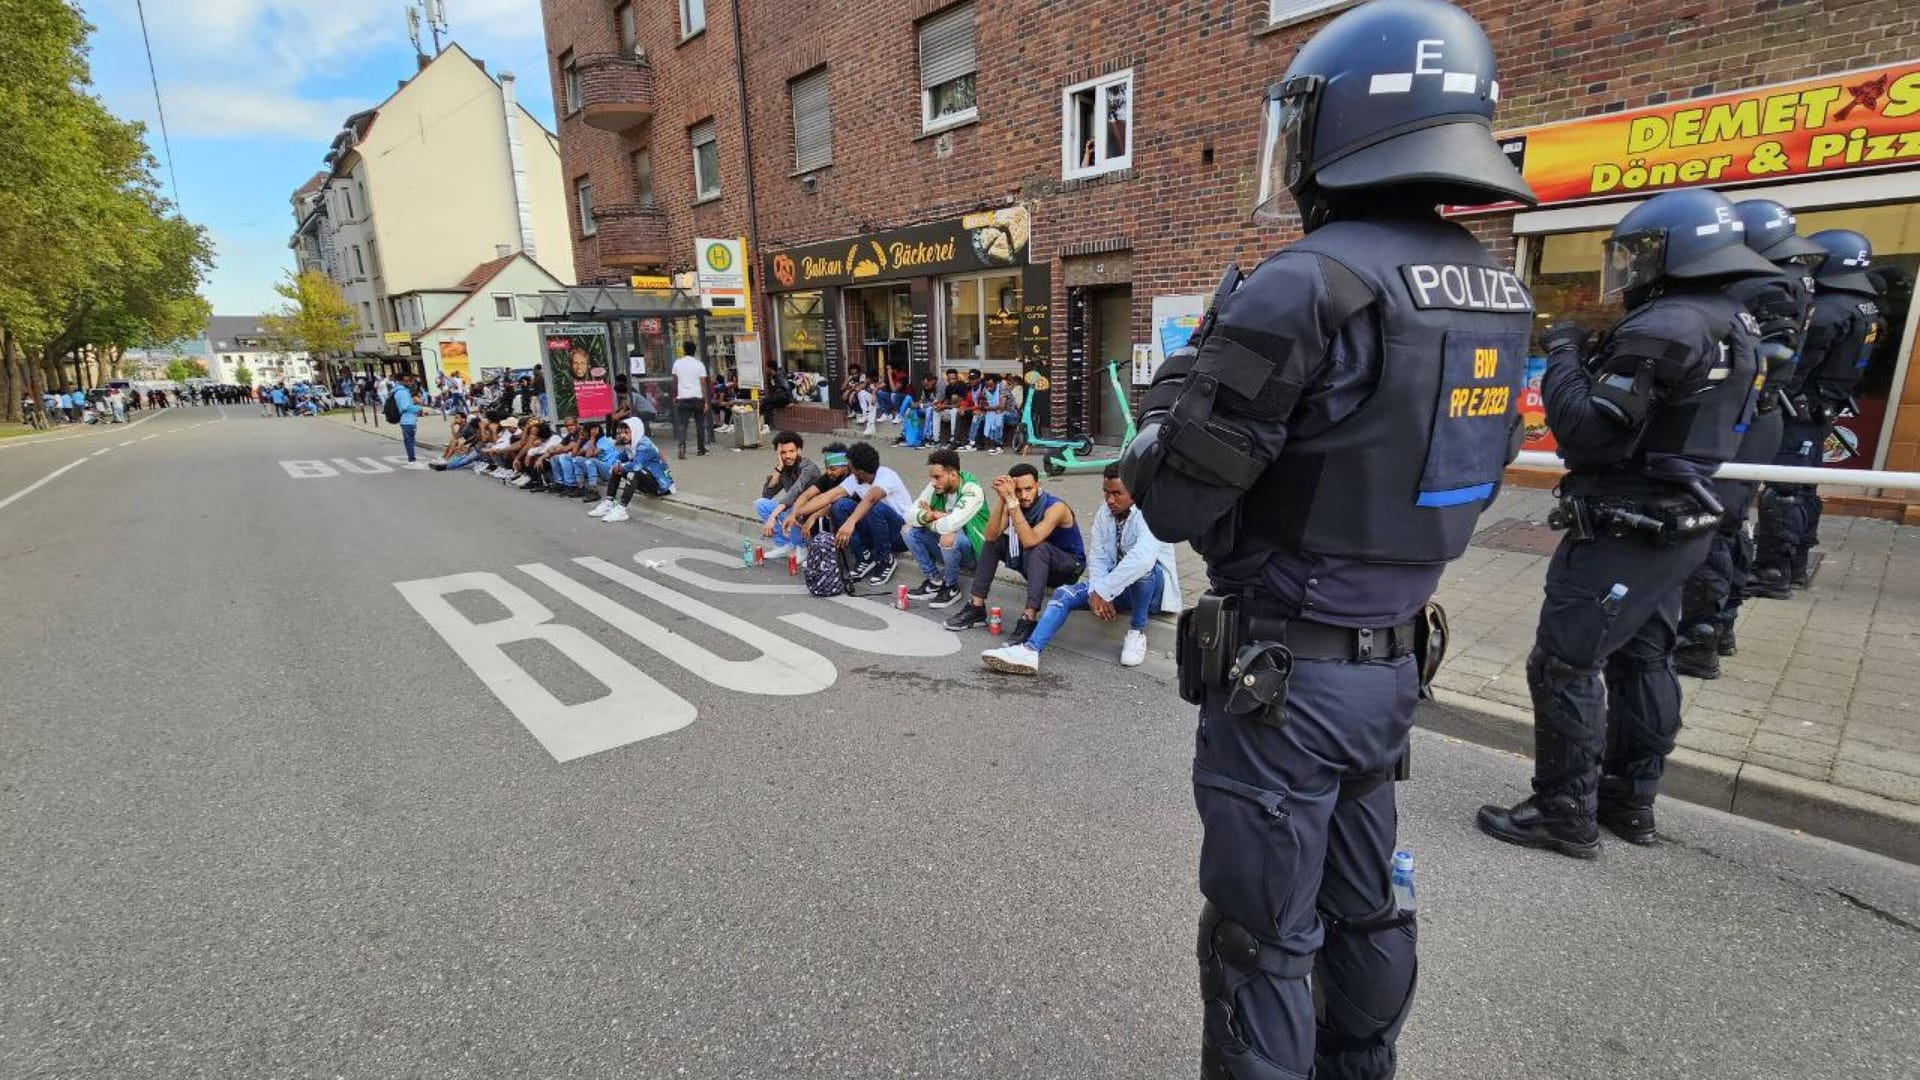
{"x": 453, "y": 360}
{"x": 578, "y": 379}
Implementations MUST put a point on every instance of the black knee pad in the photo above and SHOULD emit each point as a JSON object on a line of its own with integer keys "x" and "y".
{"x": 1547, "y": 672}
{"x": 1368, "y": 970}
{"x": 1230, "y": 956}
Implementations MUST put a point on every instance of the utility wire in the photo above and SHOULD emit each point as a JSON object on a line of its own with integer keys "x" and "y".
{"x": 165, "y": 142}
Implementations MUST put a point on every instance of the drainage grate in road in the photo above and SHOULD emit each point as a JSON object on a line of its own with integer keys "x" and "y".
{"x": 1514, "y": 534}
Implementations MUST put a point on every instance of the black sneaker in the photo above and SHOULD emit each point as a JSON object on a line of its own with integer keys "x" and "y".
{"x": 882, "y": 572}
{"x": 861, "y": 569}
{"x": 437, "y": 466}
{"x": 967, "y": 618}
{"x": 1625, "y": 813}
{"x": 1022, "y": 630}
{"x": 945, "y": 598}
{"x": 926, "y": 590}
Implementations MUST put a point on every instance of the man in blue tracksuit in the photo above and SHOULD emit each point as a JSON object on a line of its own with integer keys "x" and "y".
{"x": 409, "y": 412}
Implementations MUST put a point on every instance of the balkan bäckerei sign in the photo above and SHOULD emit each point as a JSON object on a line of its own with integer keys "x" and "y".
{"x": 1815, "y": 127}
{"x": 984, "y": 241}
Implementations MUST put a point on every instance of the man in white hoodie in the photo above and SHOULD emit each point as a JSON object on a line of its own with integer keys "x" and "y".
{"x": 1128, "y": 570}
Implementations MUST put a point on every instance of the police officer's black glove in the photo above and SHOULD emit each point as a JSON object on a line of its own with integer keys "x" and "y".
{"x": 1566, "y": 341}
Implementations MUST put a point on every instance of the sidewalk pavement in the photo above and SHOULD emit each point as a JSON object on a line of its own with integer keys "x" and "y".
{"x": 1814, "y": 725}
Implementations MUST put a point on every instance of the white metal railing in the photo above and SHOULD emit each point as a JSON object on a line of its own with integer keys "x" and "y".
{"x": 1779, "y": 474}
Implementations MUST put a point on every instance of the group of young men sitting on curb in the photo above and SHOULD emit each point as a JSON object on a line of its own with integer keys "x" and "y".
{"x": 604, "y": 464}
{"x": 950, "y": 528}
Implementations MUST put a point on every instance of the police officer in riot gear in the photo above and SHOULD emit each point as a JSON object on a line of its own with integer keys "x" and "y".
{"x": 1710, "y": 600}
{"x": 1327, "y": 442}
{"x": 1643, "y": 420}
{"x": 1846, "y": 326}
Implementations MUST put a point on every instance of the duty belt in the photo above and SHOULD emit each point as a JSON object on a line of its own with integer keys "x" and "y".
{"x": 1663, "y": 521}
{"x": 1318, "y": 641}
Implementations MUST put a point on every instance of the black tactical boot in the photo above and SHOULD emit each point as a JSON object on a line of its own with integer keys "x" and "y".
{"x": 1770, "y": 584}
{"x": 1723, "y": 642}
{"x": 1554, "y": 822}
{"x": 1625, "y": 813}
{"x": 1696, "y": 653}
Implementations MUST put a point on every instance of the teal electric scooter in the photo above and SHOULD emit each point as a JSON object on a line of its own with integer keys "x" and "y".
{"x": 1074, "y": 458}
{"x": 1025, "y": 437}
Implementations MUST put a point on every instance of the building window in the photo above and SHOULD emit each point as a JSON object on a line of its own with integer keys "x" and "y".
{"x": 643, "y": 177}
{"x": 1287, "y": 11}
{"x": 503, "y": 307}
{"x": 629, "y": 34}
{"x": 981, "y": 316}
{"x": 803, "y": 343}
{"x": 366, "y": 315}
{"x": 347, "y": 194}
{"x": 947, "y": 68}
{"x": 693, "y": 17}
{"x": 812, "y": 122}
{"x": 706, "y": 161}
{"x": 359, "y": 262}
{"x": 583, "y": 191}
{"x": 570, "y": 82}
{"x": 1096, "y": 122}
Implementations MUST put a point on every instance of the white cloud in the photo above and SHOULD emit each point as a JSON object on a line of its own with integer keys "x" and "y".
{"x": 236, "y": 111}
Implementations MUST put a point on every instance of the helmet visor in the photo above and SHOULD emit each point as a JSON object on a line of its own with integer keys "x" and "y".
{"x": 1286, "y": 126}
{"x": 1631, "y": 261}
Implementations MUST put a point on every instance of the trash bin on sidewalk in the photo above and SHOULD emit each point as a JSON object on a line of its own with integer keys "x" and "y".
{"x": 746, "y": 427}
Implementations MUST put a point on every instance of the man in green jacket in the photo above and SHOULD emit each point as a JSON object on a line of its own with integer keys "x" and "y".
{"x": 945, "y": 529}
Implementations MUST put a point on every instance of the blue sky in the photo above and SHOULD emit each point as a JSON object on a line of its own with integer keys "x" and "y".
{"x": 255, "y": 90}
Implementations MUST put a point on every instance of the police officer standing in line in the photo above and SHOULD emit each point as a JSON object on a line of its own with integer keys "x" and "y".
{"x": 1642, "y": 422}
{"x": 1710, "y": 600}
{"x": 1327, "y": 442}
{"x": 1845, "y": 327}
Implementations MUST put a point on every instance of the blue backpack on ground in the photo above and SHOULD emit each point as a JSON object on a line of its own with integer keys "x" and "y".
{"x": 913, "y": 426}
{"x": 824, "y": 568}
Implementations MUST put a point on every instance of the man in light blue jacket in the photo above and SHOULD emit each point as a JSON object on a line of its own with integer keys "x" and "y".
{"x": 409, "y": 412}
{"x": 1128, "y": 570}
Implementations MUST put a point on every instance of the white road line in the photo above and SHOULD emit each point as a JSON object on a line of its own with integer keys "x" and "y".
{"x": 102, "y": 450}
{"x": 42, "y": 440}
{"x": 129, "y": 442}
{"x": 30, "y": 488}
{"x": 155, "y": 435}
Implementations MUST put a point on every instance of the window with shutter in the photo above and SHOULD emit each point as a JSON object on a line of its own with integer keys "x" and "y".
{"x": 812, "y": 122}
{"x": 947, "y": 68}
{"x": 1287, "y": 11}
{"x": 706, "y": 160}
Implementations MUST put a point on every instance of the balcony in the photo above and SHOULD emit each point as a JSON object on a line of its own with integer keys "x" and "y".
{"x": 632, "y": 235}
{"x": 616, "y": 91}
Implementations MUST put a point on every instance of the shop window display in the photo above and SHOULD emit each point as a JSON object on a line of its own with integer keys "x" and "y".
{"x": 803, "y": 349}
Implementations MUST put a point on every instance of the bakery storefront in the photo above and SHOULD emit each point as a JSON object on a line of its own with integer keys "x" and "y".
{"x": 1842, "y": 151}
{"x": 911, "y": 301}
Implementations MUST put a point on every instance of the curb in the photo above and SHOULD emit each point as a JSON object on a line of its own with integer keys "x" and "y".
{"x": 1855, "y": 818}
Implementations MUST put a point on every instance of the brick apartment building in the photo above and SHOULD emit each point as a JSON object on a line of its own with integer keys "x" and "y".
{"x": 1008, "y": 186}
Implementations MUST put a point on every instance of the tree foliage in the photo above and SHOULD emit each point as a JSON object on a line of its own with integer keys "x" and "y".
{"x": 243, "y": 375}
{"x": 92, "y": 259}
{"x": 177, "y": 370}
{"x": 316, "y": 318}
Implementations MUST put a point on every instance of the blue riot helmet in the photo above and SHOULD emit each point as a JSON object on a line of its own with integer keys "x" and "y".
{"x": 1692, "y": 235}
{"x": 1771, "y": 231}
{"x": 1848, "y": 256}
{"x": 1392, "y": 94}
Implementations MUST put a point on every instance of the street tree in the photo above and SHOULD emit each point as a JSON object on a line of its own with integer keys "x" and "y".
{"x": 316, "y": 318}
{"x": 177, "y": 370}
{"x": 243, "y": 375}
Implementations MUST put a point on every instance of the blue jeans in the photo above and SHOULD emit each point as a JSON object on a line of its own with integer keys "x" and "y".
{"x": 407, "y": 432}
{"x": 878, "y": 534}
{"x": 592, "y": 472}
{"x": 1139, "y": 601}
{"x": 464, "y": 460}
{"x": 932, "y": 557}
{"x": 789, "y": 536}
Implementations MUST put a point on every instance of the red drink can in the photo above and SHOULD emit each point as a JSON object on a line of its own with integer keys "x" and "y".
{"x": 793, "y": 565}
{"x": 993, "y": 621}
{"x": 900, "y": 598}
{"x": 759, "y": 555}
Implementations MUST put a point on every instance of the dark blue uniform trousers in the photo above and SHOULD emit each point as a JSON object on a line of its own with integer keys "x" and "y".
{"x": 1789, "y": 522}
{"x": 1603, "y": 687}
{"x": 1713, "y": 593}
{"x": 1307, "y": 874}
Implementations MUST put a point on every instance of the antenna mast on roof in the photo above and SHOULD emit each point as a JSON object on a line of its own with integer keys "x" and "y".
{"x": 413, "y": 29}
{"x": 437, "y": 21}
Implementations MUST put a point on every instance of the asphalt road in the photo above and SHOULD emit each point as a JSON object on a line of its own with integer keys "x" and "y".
{"x": 258, "y": 818}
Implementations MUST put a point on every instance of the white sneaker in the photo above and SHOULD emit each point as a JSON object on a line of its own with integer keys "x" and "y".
{"x": 480, "y": 468}
{"x": 779, "y": 551}
{"x": 521, "y": 481}
{"x": 618, "y": 513}
{"x": 1019, "y": 659}
{"x": 600, "y": 508}
{"x": 1133, "y": 651}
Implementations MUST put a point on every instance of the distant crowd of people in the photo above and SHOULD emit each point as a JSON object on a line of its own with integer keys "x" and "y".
{"x": 113, "y": 403}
